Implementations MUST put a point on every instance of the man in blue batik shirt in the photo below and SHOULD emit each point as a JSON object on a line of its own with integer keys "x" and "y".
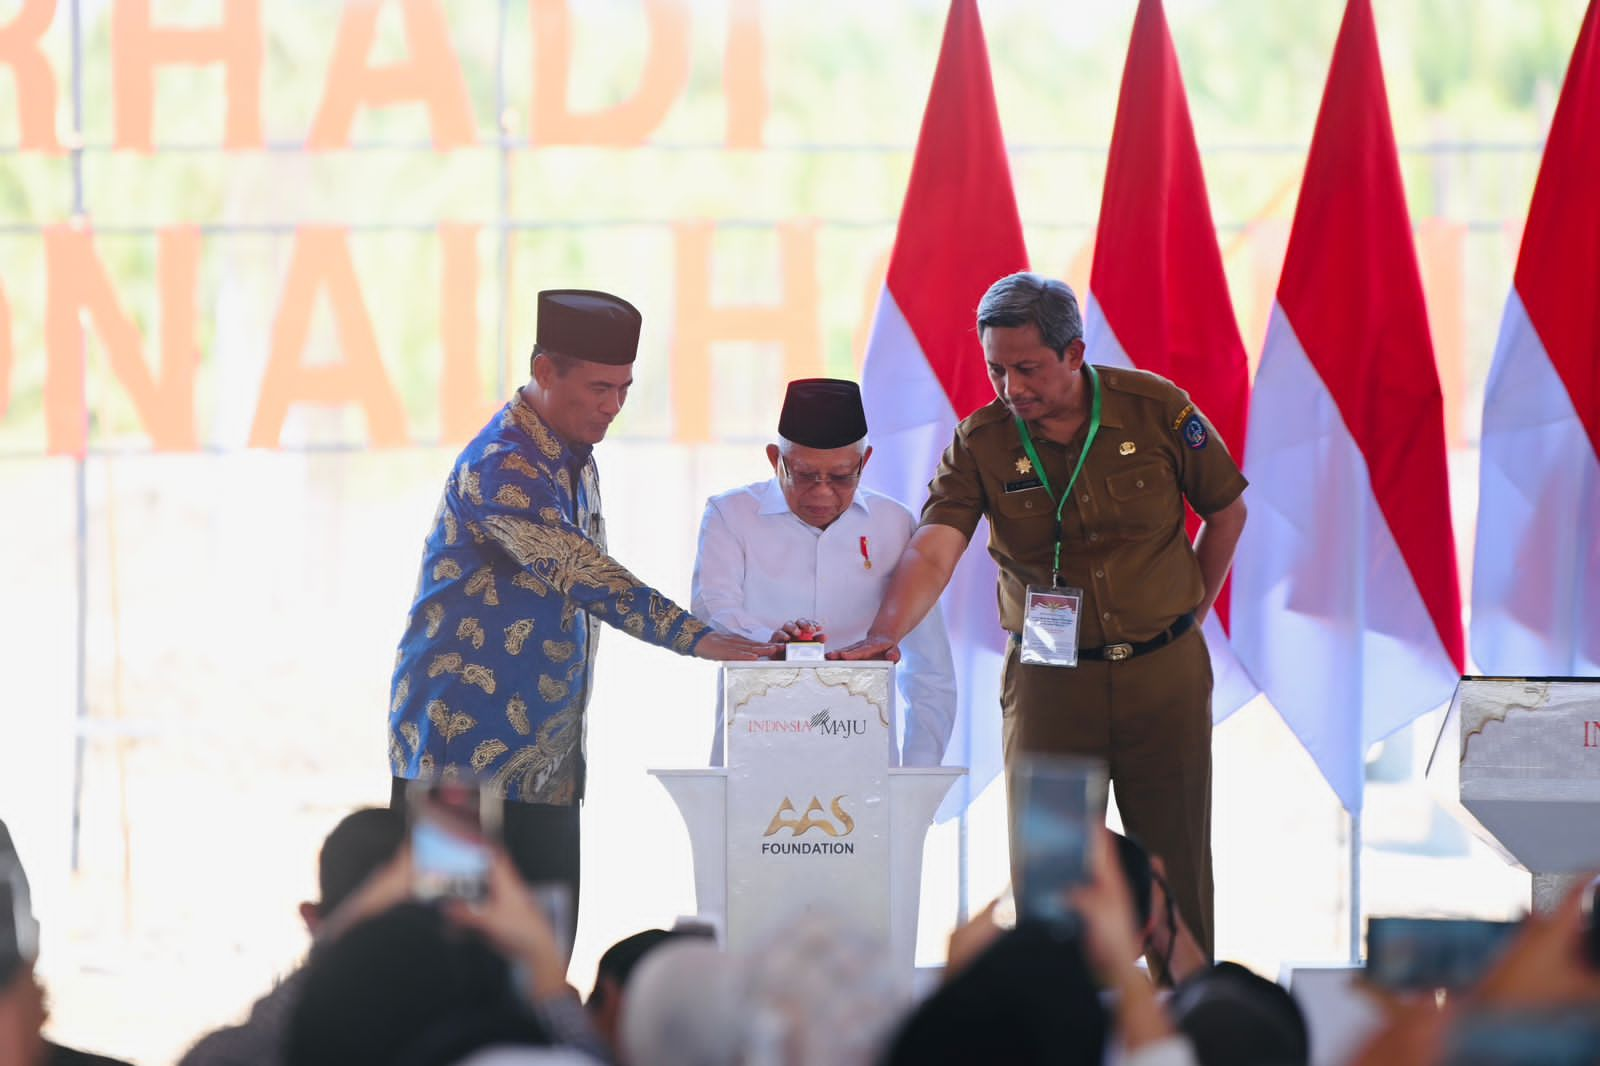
{"x": 493, "y": 675}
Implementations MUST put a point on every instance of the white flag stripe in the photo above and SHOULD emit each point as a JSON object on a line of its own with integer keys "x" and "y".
{"x": 1334, "y": 618}
{"x": 1231, "y": 684}
{"x": 1536, "y": 568}
{"x": 901, "y": 393}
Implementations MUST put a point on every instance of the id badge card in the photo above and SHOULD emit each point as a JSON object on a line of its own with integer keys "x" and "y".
{"x": 1050, "y": 626}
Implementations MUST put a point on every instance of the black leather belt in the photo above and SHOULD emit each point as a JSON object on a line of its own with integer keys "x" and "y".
{"x": 1116, "y": 653}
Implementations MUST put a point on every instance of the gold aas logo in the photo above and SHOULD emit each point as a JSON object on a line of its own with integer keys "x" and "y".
{"x": 842, "y": 824}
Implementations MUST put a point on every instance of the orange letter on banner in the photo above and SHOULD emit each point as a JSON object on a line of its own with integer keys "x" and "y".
{"x": 36, "y": 82}
{"x": 666, "y": 72}
{"x": 77, "y": 285}
{"x": 791, "y": 324}
{"x": 432, "y": 76}
{"x": 462, "y": 407}
{"x": 744, "y": 81}
{"x": 321, "y": 260}
{"x": 137, "y": 48}
{"x": 1441, "y": 248}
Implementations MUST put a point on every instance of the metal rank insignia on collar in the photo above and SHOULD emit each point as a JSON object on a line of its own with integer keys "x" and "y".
{"x": 1024, "y": 465}
{"x": 1127, "y": 447}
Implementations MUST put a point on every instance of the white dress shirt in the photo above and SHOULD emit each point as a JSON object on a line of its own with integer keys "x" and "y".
{"x": 759, "y": 565}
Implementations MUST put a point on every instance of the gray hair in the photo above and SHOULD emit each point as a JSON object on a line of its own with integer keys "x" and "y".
{"x": 1023, "y": 298}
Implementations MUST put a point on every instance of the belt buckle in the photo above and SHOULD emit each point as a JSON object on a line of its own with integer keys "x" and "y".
{"x": 1117, "y": 652}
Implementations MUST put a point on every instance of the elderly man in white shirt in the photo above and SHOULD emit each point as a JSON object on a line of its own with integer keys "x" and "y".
{"x": 809, "y": 548}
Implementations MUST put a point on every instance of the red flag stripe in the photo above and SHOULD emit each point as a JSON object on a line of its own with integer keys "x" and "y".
{"x": 1158, "y": 273}
{"x": 1352, "y": 292}
{"x": 1560, "y": 257}
{"x": 961, "y": 178}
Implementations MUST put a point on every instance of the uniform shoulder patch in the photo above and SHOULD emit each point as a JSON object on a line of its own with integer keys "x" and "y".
{"x": 1194, "y": 432}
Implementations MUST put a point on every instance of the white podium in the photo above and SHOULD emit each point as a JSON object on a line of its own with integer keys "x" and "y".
{"x": 810, "y": 813}
{"x": 1518, "y": 761}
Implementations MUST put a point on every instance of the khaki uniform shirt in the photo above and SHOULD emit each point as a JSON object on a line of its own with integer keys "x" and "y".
{"x": 1123, "y": 540}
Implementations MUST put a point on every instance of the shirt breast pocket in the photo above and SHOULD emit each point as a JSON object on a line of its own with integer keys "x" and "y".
{"x": 1023, "y": 504}
{"x": 1145, "y": 498}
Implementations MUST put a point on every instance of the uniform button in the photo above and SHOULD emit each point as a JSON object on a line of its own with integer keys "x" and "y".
{"x": 1084, "y": 498}
{"x": 1138, "y": 484}
{"x": 1099, "y": 573}
{"x": 1106, "y": 615}
{"x": 1093, "y": 536}
{"x": 1029, "y": 504}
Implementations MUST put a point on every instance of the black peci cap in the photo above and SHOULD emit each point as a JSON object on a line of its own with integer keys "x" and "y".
{"x": 593, "y": 326}
{"x": 822, "y": 413}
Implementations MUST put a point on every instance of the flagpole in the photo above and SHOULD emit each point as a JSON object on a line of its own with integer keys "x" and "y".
{"x": 80, "y": 467}
{"x": 963, "y": 862}
{"x": 1355, "y": 889}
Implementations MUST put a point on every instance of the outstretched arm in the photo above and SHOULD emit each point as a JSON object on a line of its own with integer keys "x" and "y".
{"x": 526, "y": 516}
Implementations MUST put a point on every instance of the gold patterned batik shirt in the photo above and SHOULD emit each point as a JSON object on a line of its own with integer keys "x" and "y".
{"x": 493, "y": 672}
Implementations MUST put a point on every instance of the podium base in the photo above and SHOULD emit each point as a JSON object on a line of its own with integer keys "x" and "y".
{"x": 914, "y": 796}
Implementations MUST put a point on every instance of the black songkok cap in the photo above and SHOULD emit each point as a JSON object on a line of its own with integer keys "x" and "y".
{"x": 822, "y": 413}
{"x": 593, "y": 326}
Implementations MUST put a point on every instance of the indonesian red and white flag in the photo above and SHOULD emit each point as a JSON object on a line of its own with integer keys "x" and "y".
{"x": 1536, "y": 573}
{"x": 1346, "y": 606}
{"x": 1158, "y": 299}
{"x": 959, "y": 232}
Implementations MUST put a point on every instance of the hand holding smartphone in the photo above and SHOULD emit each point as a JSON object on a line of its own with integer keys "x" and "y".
{"x": 1419, "y": 954}
{"x": 1058, "y": 805}
{"x": 452, "y": 829}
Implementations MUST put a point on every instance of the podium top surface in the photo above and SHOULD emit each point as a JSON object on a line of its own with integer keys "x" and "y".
{"x": 810, "y": 664}
{"x": 1515, "y": 679}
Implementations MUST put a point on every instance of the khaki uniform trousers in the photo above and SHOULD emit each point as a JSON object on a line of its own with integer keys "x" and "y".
{"x": 1148, "y": 719}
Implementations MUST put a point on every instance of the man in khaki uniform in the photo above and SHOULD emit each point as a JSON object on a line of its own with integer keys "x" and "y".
{"x": 1139, "y": 697}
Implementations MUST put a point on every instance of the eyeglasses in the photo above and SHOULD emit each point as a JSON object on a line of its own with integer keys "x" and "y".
{"x": 832, "y": 481}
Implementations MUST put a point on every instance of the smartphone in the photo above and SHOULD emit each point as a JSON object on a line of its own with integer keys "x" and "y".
{"x": 452, "y": 828}
{"x": 1058, "y": 804}
{"x": 19, "y": 932}
{"x": 1415, "y": 954}
{"x": 554, "y": 899}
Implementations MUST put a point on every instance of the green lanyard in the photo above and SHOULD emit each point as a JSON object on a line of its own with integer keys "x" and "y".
{"x": 1088, "y": 441}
